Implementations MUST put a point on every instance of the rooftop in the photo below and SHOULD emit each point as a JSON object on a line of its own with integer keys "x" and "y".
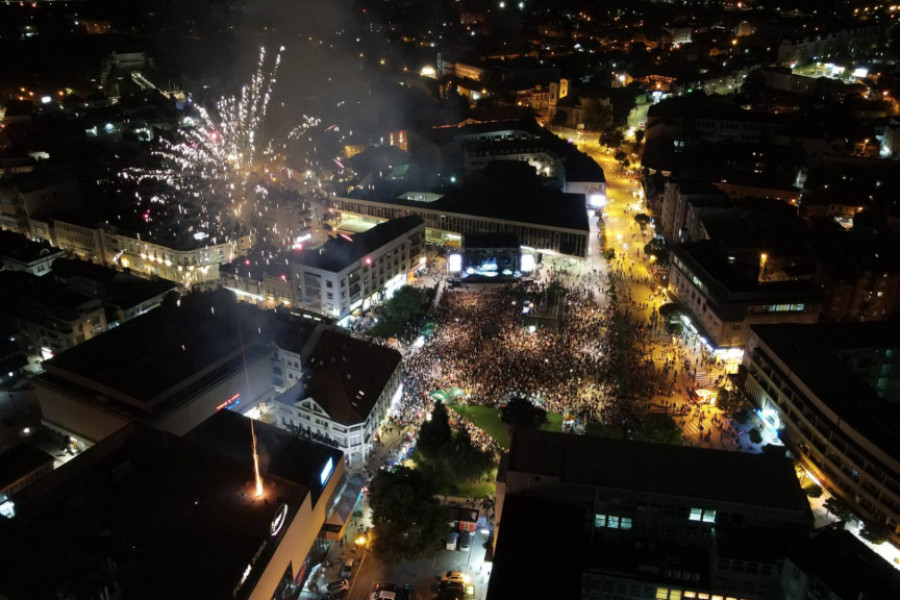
{"x": 19, "y": 248}
{"x": 159, "y": 515}
{"x": 160, "y": 357}
{"x": 19, "y": 461}
{"x": 846, "y": 566}
{"x": 822, "y": 357}
{"x": 338, "y": 253}
{"x": 346, "y": 376}
{"x": 766, "y": 480}
{"x": 281, "y": 453}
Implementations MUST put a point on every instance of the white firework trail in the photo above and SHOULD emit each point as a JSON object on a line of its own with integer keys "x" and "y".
{"x": 218, "y": 170}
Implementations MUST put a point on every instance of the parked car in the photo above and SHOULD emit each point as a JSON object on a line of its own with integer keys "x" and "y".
{"x": 337, "y": 588}
{"x": 383, "y": 595}
{"x": 454, "y": 577}
{"x": 465, "y": 540}
{"x": 347, "y": 569}
{"x": 452, "y": 540}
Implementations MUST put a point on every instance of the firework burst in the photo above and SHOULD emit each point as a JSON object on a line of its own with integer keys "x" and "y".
{"x": 218, "y": 170}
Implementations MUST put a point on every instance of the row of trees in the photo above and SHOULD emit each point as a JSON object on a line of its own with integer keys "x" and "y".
{"x": 409, "y": 521}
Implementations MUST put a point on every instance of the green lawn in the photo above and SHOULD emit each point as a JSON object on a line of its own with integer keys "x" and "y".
{"x": 488, "y": 420}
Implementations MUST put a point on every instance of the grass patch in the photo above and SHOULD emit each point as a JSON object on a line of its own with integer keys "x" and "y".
{"x": 610, "y": 431}
{"x": 476, "y": 489}
{"x": 385, "y": 329}
{"x": 554, "y": 422}
{"x": 487, "y": 419}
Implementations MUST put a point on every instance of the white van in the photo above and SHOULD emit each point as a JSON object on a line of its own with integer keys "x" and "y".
{"x": 451, "y": 541}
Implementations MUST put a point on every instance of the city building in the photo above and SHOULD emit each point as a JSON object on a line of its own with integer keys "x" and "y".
{"x": 124, "y": 296}
{"x": 31, "y": 196}
{"x": 18, "y": 253}
{"x": 350, "y": 273}
{"x": 49, "y": 317}
{"x": 346, "y": 390}
{"x": 724, "y": 301}
{"x": 171, "y": 368}
{"x": 834, "y": 565}
{"x": 830, "y": 391}
{"x": 642, "y": 521}
{"x": 821, "y": 46}
{"x": 684, "y": 203}
{"x": 148, "y": 514}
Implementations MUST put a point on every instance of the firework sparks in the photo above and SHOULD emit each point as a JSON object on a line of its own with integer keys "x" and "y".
{"x": 220, "y": 167}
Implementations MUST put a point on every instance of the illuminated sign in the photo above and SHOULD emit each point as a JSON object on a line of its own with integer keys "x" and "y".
{"x": 329, "y": 467}
{"x": 278, "y": 521}
{"x": 527, "y": 263}
{"x": 231, "y": 402}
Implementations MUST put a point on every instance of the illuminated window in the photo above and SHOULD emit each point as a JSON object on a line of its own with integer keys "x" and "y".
{"x": 703, "y": 596}
{"x": 689, "y": 594}
{"x": 662, "y": 593}
{"x": 717, "y": 597}
{"x": 626, "y": 523}
{"x": 706, "y": 516}
{"x": 612, "y": 522}
{"x": 675, "y": 595}
{"x": 599, "y": 520}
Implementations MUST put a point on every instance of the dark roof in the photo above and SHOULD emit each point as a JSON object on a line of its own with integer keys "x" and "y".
{"x": 166, "y": 355}
{"x": 846, "y": 566}
{"x": 39, "y": 299}
{"x": 813, "y": 355}
{"x": 532, "y": 528}
{"x": 490, "y": 240}
{"x": 728, "y": 283}
{"x": 121, "y": 289}
{"x": 281, "y": 453}
{"x": 19, "y": 461}
{"x": 338, "y": 253}
{"x": 161, "y": 516}
{"x": 346, "y": 375}
{"x": 766, "y": 480}
{"x": 18, "y": 247}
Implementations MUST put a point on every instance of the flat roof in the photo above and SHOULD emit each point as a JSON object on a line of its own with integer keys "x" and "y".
{"x": 16, "y": 246}
{"x": 813, "y": 355}
{"x": 339, "y": 253}
{"x": 846, "y": 566}
{"x": 176, "y": 347}
{"x": 281, "y": 453}
{"x": 159, "y": 515}
{"x": 682, "y": 471}
{"x": 19, "y": 461}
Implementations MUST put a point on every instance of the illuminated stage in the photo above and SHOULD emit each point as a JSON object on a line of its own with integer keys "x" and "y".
{"x": 490, "y": 257}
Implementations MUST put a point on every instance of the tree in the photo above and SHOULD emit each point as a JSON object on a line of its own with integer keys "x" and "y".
{"x": 639, "y": 136}
{"x": 559, "y": 118}
{"x": 729, "y": 400}
{"x": 660, "y": 429}
{"x": 435, "y": 435}
{"x": 620, "y": 156}
{"x": 405, "y": 304}
{"x": 598, "y": 116}
{"x": 612, "y": 138}
{"x": 814, "y": 491}
{"x": 642, "y": 220}
{"x": 755, "y": 435}
{"x": 469, "y": 461}
{"x": 838, "y": 508}
{"x": 519, "y": 412}
{"x": 408, "y": 520}
{"x": 875, "y": 532}
{"x": 670, "y": 312}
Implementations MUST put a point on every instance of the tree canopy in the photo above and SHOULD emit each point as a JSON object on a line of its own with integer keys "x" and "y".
{"x": 406, "y": 303}
{"x": 659, "y": 428}
{"x": 447, "y": 455}
{"x": 409, "y": 522}
{"x": 519, "y": 412}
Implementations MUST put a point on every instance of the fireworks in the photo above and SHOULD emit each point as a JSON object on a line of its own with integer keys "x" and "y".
{"x": 220, "y": 168}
